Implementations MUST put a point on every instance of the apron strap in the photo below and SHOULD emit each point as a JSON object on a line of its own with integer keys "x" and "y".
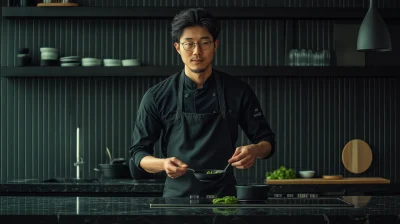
{"x": 180, "y": 93}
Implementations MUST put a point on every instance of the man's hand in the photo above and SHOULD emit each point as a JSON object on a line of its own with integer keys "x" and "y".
{"x": 174, "y": 167}
{"x": 244, "y": 156}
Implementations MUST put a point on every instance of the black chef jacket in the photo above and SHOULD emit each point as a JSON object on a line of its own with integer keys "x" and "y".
{"x": 158, "y": 107}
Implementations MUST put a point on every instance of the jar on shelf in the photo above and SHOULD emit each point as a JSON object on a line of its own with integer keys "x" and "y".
{"x": 23, "y": 58}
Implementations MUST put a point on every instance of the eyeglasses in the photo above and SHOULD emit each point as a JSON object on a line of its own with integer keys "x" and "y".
{"x": 189, "y": 46}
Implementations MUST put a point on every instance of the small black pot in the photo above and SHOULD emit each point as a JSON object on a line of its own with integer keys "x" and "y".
{"x": 114, "y": 171}
{"x": 252, "y": 192}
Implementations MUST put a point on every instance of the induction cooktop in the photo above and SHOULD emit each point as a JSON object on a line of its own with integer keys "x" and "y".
{"x": 269, "y": 203}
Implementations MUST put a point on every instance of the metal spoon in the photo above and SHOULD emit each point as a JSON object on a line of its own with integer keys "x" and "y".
{"x": 227, "y": 167}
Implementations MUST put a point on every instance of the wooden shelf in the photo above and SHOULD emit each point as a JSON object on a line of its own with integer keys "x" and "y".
{"x": 348, "y": 180}
{"x": 220, "y": 12}
{"x": 170, "y": 70}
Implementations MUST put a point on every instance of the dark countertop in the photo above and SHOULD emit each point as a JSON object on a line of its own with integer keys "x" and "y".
{"x": 83, "y": 186}
{"x": 154, "y": 187}
{"x": 62, "y": 209}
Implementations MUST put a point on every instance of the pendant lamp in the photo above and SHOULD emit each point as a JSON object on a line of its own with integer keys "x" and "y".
{"x": 373, "y": 34}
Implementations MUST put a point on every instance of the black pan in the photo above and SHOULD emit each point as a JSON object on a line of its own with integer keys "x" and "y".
{"x": 209, "y": 175}
{"x": 204, "y": 175}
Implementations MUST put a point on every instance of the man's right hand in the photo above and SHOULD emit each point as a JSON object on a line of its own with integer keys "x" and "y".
{"x": 174, "y": 167}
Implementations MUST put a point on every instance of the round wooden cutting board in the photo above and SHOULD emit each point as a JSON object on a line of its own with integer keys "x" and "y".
{"x": 357, "y": 156}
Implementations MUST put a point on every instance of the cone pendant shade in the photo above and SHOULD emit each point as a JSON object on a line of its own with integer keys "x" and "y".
{"x": 373, "y": 34}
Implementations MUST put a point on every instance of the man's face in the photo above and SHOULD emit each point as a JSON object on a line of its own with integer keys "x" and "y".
{"x": 200, "y": 48}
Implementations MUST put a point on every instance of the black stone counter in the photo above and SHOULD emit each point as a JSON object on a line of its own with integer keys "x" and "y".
{"x": 64, "y": 186}
{"x": 154, "y": 188}
{"x": 36, "y": 209}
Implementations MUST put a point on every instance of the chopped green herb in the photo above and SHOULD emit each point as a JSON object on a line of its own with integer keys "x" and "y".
{"x": 225, "y": 200}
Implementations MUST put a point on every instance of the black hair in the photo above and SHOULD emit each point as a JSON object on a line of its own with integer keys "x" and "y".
{"x": 194, "y": 17}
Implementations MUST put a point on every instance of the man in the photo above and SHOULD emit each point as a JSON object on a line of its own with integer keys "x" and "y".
{"x": 198, "y": 112}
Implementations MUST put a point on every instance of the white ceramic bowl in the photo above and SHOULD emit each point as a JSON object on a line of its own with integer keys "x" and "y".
{"x": 90, "y": 60}
{"x": 112, "y": 62}
{"x": 49, "y": 56}
{"x": 70, "y": 58}
{"x": 307, "y": 173}
{"x": 90, "y": 64}
{"x": 131, "y": 62}
{"x": 70, "y": 64}
{"x": 49, "y": 49}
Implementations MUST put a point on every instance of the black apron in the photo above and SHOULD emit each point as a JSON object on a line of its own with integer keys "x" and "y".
{"x": 202, "y": 141}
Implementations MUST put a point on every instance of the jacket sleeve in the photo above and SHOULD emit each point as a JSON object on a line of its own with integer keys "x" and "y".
{"x": 147, "y": 129}
{"x": 253, "y": 122}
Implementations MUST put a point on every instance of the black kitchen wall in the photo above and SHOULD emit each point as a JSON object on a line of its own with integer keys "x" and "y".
{"x": 313, "y": 117}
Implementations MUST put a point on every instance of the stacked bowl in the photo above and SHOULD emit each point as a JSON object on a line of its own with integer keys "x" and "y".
{"x": 49, "y": 56}
{"x": 70, "y": 61}
{"x": 112, "y": 62}
{"x": 89, "y": 62}
{"x": 131, "y": 62}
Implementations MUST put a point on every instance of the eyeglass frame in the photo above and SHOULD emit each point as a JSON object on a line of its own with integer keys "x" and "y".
{"x": 195, "y": 44}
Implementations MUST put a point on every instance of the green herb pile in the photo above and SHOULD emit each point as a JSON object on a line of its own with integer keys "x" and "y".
{"x": 225, "y": 200}
{"x": 281, "y": 173}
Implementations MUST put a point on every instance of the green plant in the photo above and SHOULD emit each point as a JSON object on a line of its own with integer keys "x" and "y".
{"x": 281, "y": 173}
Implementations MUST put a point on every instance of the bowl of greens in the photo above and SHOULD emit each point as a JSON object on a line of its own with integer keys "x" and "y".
{"x": 208, "y": 175}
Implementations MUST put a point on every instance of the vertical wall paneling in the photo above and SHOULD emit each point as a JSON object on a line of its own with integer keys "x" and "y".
{"x": 313, "y": 117}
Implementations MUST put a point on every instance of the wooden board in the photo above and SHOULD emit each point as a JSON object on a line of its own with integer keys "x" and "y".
{"x": 332, "y": 177}
{"x": 345, "y": 180}
{"x": 357, "y": 156}
{"x": 57, "y": 4}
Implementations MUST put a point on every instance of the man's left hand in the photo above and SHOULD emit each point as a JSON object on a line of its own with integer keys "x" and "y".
{"x": 244, "y": 156}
